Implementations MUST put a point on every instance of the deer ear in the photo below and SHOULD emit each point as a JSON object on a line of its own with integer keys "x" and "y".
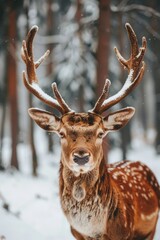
{"x": 119, "y": 119}
{"x": 44, "y": 119}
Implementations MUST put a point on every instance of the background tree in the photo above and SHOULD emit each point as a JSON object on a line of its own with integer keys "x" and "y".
{"x": 27, "y": 4}
{"x": 103, "y": 48}
{"x": 49, "y": 67}
{"x": 156, "y": 70}
{"x": 3, "y": 81}
{"x": 12, "y": 81}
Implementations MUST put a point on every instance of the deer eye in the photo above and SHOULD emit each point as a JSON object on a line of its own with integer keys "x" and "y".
{"x": 100, "y": 134}
{"x": 62, "y": 134}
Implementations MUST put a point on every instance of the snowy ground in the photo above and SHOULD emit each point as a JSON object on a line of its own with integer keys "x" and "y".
{"x": 34, "y": 210}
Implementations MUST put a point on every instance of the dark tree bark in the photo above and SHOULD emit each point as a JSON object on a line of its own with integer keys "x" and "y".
{"x": 50, "y": 64}
{"x": 12, "y": 83}
{"x": 2, "y": 133}
{"x": 103, "y": 49}
{"x": 3, "y": 102}
{"x": 81, "y": 89}
{"x": 125, "y": 132}
{"x": 156, "y": 73}
{"x": 2, "y": 126}
{"x": 31, "y": 123}
{"x": 103, "y": 44}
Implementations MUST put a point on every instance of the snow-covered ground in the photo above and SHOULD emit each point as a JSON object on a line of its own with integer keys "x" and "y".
{"x": 34, "y": 209}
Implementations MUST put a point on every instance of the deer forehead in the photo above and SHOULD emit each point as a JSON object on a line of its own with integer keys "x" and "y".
{"x": 81, "y": 122}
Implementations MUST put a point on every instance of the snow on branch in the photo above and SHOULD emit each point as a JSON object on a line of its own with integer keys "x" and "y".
{"x": 128, "y": 8}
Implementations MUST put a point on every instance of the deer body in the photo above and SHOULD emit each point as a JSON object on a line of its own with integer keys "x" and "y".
{"x": 116, "y": 201}
{"x": 111, "y": 207}
{"x": 119, "y": 201}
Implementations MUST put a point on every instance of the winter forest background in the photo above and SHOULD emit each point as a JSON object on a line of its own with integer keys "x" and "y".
{"x": 81, "y": 35}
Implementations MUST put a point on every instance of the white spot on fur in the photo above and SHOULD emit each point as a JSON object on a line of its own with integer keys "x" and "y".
{"x": 141, "y": 168}
{"x": 150, "y": 216}
{"x": 122, "y": 187}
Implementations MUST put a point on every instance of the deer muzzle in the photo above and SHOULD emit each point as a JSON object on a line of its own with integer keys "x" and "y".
{"x": 81, "y": 157}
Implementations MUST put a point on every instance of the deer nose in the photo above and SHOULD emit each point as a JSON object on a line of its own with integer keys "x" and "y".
{"x": 81, "y": 157}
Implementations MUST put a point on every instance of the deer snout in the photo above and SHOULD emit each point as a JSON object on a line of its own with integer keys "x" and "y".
{"x": 81, "y": 156}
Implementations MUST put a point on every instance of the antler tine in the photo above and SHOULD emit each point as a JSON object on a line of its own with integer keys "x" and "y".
{"x": 136, "y": 53}
{"x": 31, "y": 81}
{"x": 29, "y": 41}
{"x": 133, "y": 64}
{"x": 37, "y": 91}
{"x": 60, "y": 99}
{"x": 133, "y": 40}
{"x": 103, "y": 96}
{"x": 125, "y": 90}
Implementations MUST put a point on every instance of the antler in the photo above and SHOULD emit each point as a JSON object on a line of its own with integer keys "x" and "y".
{"x": 31, "y": 81}
{"x": 136, "y": 72}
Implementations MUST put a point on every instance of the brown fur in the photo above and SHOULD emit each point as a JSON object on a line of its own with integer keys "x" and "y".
{"x": 123, "y": 209}
{"x": 101, "y": 202}
{"x": 115, "y": 202}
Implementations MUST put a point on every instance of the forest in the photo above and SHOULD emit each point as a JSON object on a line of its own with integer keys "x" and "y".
{"x": 81, "y": 36}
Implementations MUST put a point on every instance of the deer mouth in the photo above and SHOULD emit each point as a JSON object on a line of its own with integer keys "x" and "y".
{"x": 81, "y": 164}
{"x": 78, "y": 169}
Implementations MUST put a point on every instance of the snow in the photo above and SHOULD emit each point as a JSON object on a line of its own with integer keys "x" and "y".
{"x": 43, "y": 95}
{"x": 127, "y": 85}
{"x": 34, "y": 206}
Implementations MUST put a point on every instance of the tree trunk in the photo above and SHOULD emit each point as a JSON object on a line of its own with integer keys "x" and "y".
{"x": 31, "y": 124}
{"x": 79, "y": 33}
{"x": 50, "y": 65}
{"x": 125, "y": 132}
{"x": 156, "y": 74}
{"x": 103, "y": 50}
{"x": 4, "y": 108}
{"x": 103, "y": 44}
{"x": 3, "y": 96}
{"x": 2, "y": 133}
{"x": 32, "y": 144}
{"x": 12, "y": 84}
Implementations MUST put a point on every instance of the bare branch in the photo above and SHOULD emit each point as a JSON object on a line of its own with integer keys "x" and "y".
{"x": 128, "y": 8}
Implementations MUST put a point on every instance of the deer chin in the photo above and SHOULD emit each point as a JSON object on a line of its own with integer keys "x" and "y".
{"x": 81, "y": 169}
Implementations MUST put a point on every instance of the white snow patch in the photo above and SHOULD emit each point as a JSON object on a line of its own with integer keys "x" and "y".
{"x": 126, "y": 86}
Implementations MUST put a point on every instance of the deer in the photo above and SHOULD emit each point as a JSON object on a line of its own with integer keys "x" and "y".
{"x": 118, "y": 201}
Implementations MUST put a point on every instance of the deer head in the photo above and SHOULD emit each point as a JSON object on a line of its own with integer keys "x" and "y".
{"x": 82, "y": 134}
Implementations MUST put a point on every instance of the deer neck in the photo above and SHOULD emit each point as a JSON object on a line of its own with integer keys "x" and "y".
{"x": 84, "y": 184}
